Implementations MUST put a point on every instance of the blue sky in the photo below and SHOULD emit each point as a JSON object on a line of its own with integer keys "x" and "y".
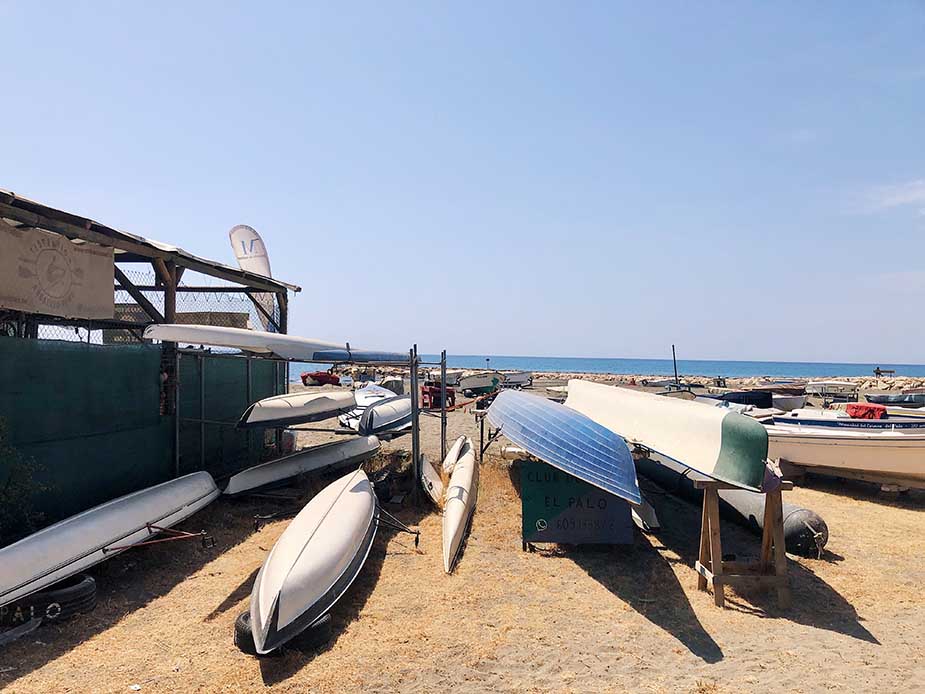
{"x": 571, "y": 179}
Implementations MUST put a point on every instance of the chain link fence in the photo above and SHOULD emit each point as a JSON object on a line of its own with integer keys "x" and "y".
{"x": 201, "y": 300}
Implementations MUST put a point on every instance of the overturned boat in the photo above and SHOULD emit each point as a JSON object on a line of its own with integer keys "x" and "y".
{"x": 296, "y": 408}
{"x": 387, "y": 418}
{"x": 460, "y": 499}
{"x": 328, "y": 456}
{"x": 314, "y": 562}
{"x": 77, "y": 543}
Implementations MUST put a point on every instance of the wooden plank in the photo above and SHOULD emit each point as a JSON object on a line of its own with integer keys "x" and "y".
{"x": 716, "y": 547}
{"x": 704, "y": 557}
{"x": 139, "y": 298}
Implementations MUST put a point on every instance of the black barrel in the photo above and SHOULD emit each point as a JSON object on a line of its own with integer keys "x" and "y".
{"x": 805, "y": 533}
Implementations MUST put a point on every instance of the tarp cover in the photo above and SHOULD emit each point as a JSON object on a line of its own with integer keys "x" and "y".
{"x": 860, "y": 410}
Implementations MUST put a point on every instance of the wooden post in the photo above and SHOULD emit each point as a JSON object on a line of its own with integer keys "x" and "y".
{"x": 770, "y": 571}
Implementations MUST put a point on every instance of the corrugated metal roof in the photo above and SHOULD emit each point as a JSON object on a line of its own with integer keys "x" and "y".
{"x": 34, "y": 214}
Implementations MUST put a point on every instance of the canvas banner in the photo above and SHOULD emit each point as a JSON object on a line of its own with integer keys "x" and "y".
{"x": 45, "y": 273}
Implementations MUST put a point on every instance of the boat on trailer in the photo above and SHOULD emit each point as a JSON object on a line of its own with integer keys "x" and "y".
{"x": 88, "y": 538}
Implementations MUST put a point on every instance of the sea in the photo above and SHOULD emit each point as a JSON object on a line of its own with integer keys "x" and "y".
{"x": 659, "y": 367}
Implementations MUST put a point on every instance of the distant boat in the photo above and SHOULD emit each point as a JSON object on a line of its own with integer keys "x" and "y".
{"x": 787, "y": 402}
{"x": 885, "y": 457}
{"x": 319, "y": 378}
{"x": 482, "y": 382}
{"x": 452, "y": 376}
{"x": 518, "y": 378}
{"x": 840, "y": 419}
{"x": 912, "y": 400}
{"x": 831, "y": 388}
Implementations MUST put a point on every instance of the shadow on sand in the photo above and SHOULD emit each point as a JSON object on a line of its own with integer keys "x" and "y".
{"x": 131, "y": 580}
{"x": 912, "y": 500}
{"x": 815, "y": 602}
{"x": 644, "y": 579}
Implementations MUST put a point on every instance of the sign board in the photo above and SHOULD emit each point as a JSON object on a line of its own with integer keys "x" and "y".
{"x": 45, "y": 273}
{"x": 133, "y": 313}
{"x": 558, "y": 507}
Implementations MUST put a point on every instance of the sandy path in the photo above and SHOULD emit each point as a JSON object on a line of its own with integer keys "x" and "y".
{"x": 583, "y": 620}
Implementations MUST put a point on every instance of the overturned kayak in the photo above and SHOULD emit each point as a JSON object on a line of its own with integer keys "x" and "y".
{"x": 77, "y": 543}
{"x": 283, "y": 346}
{"x": 365, "y": 396}
{"x": 723, "y": 445}
{"x": 459, "y": 504}
{"x": 432, "y": 482}
{"x": 386, "y": 417}
{"x": 324, "y": 457}
{"x": 314, "y": 562}
{"x": 296, "y": 408}
{"x": 453, "y": 454}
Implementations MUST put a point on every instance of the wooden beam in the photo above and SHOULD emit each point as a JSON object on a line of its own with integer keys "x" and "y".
{"x": 136, "y": 294}
{"x": 77, "y": 228}
{"x": 170, "y": 293}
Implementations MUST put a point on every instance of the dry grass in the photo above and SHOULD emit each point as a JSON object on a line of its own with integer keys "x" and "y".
{"x": 618, "y": 619}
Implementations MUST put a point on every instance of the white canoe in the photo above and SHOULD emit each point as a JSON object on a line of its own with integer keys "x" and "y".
{"x": 324, "y": 457}
{"x": 518, "y": 378}
{"x": 877, "y": 456}
{"x": 365, "y": 396}
{"x": 452, "y": 455}
{"x": 431, "y": 481}
{"x": 714, "y": 441}
{"x": 314, "y": 561}
{"x": 283, "y": 346}
{"x": 461, "y": 495}
{"x": 386, "y": 417}
{"x": 297, "y": 408}
{"x": 77, "y": 543}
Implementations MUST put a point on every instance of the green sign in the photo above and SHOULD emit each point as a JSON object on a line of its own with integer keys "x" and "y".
{"x": 558, "y": 507}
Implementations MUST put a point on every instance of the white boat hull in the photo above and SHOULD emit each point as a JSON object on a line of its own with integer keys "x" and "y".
{"x": 889, "y": 455}
{"x": 518, "y": 378}
{"x": 325, "y": 457}
{"x": 387, "y": 417}
{"x": 297, "y": 408}
{"x": 432, "y": 482}
{"x": 788, "y": 402}
{"x": 459, "y": 504}
{"x": 77, "y": 543}
{"x": 486, "y": 380}
{"x": 452, "y": 455}
{"x": 314, "y": 561}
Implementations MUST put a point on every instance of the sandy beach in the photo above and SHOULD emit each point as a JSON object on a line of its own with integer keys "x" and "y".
{"x": 560, "y": 619}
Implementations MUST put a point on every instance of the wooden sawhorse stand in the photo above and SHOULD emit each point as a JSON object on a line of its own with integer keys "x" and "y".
{"x": 770, "y": 571}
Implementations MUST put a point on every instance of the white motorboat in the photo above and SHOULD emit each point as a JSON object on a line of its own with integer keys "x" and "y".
{"x": 517, "y": 379}
{"x": 788, "y": 402}
{"x": 831, "y": 388}
{"x": 887, "y": 457}
{"x": 481, "y": 382}
{"x": 842, "y": 420}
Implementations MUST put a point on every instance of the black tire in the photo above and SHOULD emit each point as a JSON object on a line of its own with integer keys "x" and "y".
{"x": 315, "y": 636}
{"x": 63, "y": 600}
{"x": 243, "y": 636}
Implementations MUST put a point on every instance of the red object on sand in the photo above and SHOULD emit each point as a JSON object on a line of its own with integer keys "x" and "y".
{"x": 319, "y": 378}
{"x": 860, "y": 410}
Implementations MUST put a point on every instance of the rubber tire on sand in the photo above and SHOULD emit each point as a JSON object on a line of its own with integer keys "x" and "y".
{"x": 63, "y": 600}
{"x": 316, "y": 635}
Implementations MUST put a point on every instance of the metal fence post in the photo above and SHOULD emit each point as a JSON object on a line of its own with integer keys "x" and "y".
{"x": 415, "y": 423}
{"x": 442, "y": 405}
{"x": 202, "y": 411}
{"x": 176, "y": 412}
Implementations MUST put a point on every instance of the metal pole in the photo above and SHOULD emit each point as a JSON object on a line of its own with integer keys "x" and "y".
{"x": 481, "y": 437}
{"x": 176, "y": 412}
{"x": 674, "y": 360}
{"x": 202, "y": 411}
{"x": 415, "y": 423}
{"x": 247, "y": 396}
{"x": 442, "y": 405}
